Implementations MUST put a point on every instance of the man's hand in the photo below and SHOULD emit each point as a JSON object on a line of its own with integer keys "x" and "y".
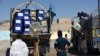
{"x": 58, "y": 49}
{"x": 67, "y": 47}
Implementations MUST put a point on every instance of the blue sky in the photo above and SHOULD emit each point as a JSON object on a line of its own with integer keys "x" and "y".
{"x": 62, "y": 8}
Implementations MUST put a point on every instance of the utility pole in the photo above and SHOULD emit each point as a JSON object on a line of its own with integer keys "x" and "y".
{"x": 99, "y": 11}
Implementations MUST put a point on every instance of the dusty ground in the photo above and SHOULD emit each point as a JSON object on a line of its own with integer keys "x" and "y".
{"x": 5, "y": 44}
{"x": 3, "y": 47}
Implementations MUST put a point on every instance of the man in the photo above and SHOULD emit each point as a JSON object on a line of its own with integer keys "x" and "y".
{"x": 61, "y": 45}
{"x": 19, "y": 48}
{"x": 66, "y": 37}
{"x": 82, "y": 45}
{"x": 42, "y": 47}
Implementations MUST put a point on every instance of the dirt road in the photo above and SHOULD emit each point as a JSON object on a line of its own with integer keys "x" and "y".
{"x": 6, "y": 44}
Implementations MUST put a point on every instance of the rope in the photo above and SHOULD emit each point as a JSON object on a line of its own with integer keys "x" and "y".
{"x": 28, "y": 3}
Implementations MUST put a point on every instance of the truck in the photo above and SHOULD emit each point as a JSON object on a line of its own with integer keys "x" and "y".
{"x": 34, "y": 28}
{"x": 90, "y": 28}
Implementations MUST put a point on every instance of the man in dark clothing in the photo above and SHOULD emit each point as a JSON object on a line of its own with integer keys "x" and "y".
{"x": 61, "y": 44}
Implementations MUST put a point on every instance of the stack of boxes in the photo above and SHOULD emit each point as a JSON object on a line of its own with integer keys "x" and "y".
{"x": 18, "y": 22}
{"x": 40, "y": 15}
{"x": 23, "y": 19}
{"x": 41, "y": 19}
{"x": 26, "y": 19}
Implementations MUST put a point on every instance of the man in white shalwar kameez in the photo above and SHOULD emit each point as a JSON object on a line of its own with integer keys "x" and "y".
{"x": 19, "y": 48}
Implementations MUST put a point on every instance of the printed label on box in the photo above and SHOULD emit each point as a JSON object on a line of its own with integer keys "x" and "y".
{"x": 18, "y": 21}
{"x": 17, "y": 28}
{"x": 27, "y": 22}
{"x": 26, "y": 17}
{"x": 27, "y": 29}
{"x": 40, "y": 12}
{"x": 20, "y": 14}
{"x": 26, "y": 12}
{"x": 40, "y": 18}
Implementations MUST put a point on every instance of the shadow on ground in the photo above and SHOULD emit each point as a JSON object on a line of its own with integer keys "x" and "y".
{"x": 91, "y": 51}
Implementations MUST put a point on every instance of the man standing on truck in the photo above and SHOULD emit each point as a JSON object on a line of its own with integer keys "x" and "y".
{"x": 61, "y": 44}
{"x": 19, "y": 47}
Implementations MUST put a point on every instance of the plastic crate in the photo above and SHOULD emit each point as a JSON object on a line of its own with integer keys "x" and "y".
{"x": 27, "y": 23}
{"x": 18, "y": 29}
{"x": 26, "y": 29}
{"x": 18, "y": 22}
{"x": 26, "y": 12}
{"x": 26, "y": 17}
{"x": 40, "y": 15}
{"x": 18, "y": 15}
{"x": 40, "y": 18}
{"x": 40, "y": 11}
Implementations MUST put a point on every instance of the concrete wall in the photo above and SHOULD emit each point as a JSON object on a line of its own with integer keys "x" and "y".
{"x": 64, "y": 25}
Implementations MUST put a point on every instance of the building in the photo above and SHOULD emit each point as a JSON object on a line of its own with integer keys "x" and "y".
{"x": 63, "y": 24}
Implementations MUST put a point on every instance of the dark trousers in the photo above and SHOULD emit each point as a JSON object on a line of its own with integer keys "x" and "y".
{"x": 42, "y": 51}
{"x": 62, "y": 53}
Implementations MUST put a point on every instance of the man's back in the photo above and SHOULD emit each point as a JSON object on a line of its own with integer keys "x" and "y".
{"x": 19, "y": 48}
{"x": 61, "y": 43}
